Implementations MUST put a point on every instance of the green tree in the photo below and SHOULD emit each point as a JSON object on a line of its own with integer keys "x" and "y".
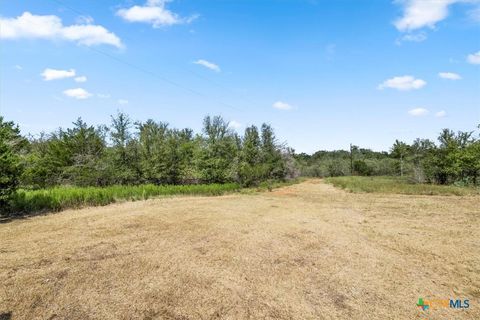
{"x": 399, "y": 151}
{"x": 250, "y": 170}
{"x": 124, "y": 155}
{"x": 219, "y": 151}
{"x": 11, "y": 144}
{"x": 272, "y": 161}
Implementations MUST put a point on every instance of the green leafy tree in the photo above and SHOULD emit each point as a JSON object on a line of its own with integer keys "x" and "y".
{"x": 219, "y": 151}
{"x": 124, "y": 154}
{"x": 250, "y": 170}
{"x": 400, "y": 150}
{"x": 271, "y": 155}
{"x": 11, "y": 145}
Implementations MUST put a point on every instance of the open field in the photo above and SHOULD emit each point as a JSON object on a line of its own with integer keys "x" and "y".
{"x": 306, "y": 251}
{"x": 398, "y": 185}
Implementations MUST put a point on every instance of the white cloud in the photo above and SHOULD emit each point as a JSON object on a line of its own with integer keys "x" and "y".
{"x": 122, "y": 101}
{"x": 449, "y": 76}
{"x": 208, "y": 64}
{"x": 77, "y": 93}
{"x": 422, "y": 13}
{"x": 18, "y": 67}
{"x": 474, "y": 58}
{"x": 418, "y": 112}
{"x": 441, "y": 114}
{"x": 54, "y": 74}
{"x": 103, "y": 95}
{"x": 235, "y": 124}
{"x": 50, "y": 27}
{"x": 81, "y": 79}
{"x": 282, "y": 105}
{"x": 402, "y": 83}
{"x": 154, "y": 13}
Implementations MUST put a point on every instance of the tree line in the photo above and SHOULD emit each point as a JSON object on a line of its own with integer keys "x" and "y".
{"x": 453, "y": 159}
{"x": 131, "y": 153}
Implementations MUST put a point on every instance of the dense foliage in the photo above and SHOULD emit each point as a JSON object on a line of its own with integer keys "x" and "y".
{"x": 454, "y": 159}
{"x": 134, "y": 153}
{"x": 358, "y": 161}
{"x": 11, "y": 143}
{"x": 138, "y": 153}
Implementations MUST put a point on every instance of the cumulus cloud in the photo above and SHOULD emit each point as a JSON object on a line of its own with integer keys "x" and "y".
{"x": 422, "y": 13}
{"x": 153, "y": 12}
{"x": 282, "y": 105}
{"x": 208, "y": 64}
{"x": 55, "y": 74}
{"x": 441, "y": 114}
{"x": 80, "y": 79}
{"x": 474, "y": 58}
{"x": 50, "y": 27}
{"x": 77, "y": 93}
{"x": 449, "y": 75}
{"x": 122, "y": 101}
{"x": 402, "y": 83}
{"x": 418, "y": 112}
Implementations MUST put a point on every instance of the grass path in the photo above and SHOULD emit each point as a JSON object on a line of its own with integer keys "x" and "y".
{"x": 307, "y": 251}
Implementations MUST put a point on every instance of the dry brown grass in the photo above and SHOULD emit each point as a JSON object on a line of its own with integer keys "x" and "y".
{"x": 307, "y": 251}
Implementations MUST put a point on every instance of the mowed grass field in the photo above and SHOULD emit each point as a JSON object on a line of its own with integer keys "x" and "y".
{"x": 306, "y": 251}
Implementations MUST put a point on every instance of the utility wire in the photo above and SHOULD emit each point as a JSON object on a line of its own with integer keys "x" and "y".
{"x": 163, "y": 78}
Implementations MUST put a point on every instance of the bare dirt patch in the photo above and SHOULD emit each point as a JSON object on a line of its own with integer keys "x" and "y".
{"x": 308, "y": 251}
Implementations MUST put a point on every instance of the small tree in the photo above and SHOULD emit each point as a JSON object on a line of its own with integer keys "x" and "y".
{"x": 11, "y": 143}
{"x": 249, "y": 170}
{"x": 400, "y": 151}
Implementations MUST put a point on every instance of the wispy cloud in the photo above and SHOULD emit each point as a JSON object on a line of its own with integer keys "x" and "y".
{"x": 474, "y": 58}
{"x": 81, "y": 79}
{"x": 402, "y": 83}
{"x": 282, "y": 105}
{"x": 122, "y": 102}
{"x": 208, "y": 64}
{"x": 449, "y": 75}
{"x": 103, "y": 95}
{"x": 154, "y": 12}
{"x": 235, "y": 124}
{"x": 412, "y": 37}
{"x": 474, "y": 14}
{"x": 77, "y": 93}
{"x": 418, "y": 112}
{"x": 55, "y": 74}
{"x": 50, "y": 27}
{"x": 441, "y": 114}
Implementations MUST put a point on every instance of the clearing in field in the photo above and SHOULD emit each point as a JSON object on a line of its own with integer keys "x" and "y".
{"x": 307, "y": 251}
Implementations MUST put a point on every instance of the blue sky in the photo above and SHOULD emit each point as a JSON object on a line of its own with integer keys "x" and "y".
{"x": 323, "y": 73}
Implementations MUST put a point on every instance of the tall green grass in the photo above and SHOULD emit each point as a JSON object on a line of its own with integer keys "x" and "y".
{"x": 60, "y": 198}
{"x": 397, "y": 185}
